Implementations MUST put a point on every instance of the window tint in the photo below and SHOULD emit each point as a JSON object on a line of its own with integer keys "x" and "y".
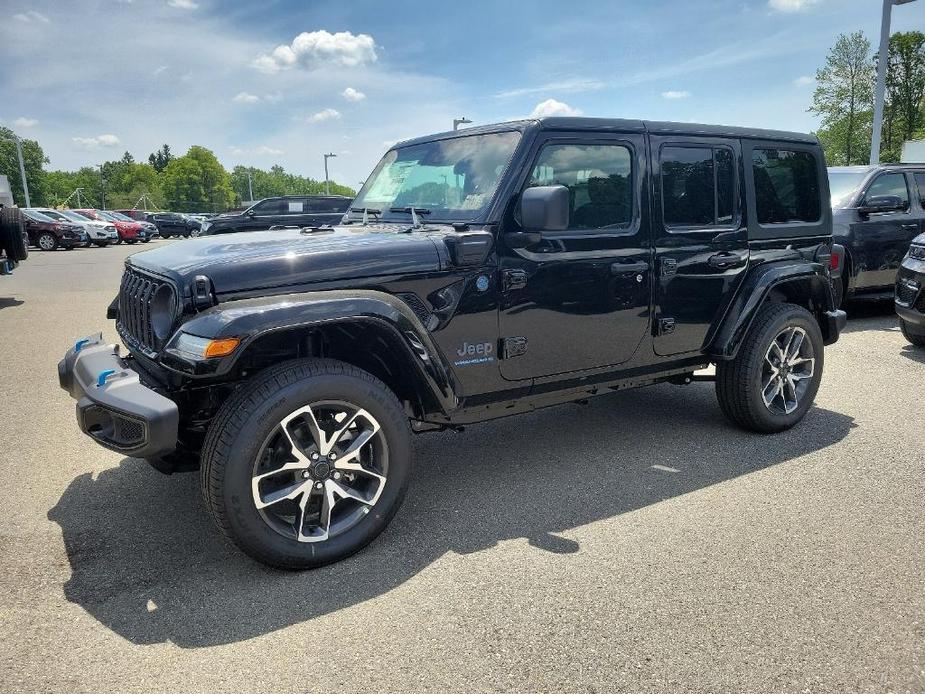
{"x": 268, "y": 207}
{"x": 889, "y": 184}
{"x": 786, "y": 186}
{"x": 698, "y": 185}
{"x": 920, "y": 184}
{"x": 598, "y": 178}
{"x": 329, "y": 205}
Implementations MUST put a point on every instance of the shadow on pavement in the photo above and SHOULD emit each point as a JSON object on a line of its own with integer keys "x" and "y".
{"x": 871, "y": 315}
{"x": 147, "y": 564}
{"x": 914, "y": 353}
{"x": 7, "y": 302}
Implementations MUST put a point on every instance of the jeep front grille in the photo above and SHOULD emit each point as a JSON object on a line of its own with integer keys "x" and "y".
{"x": 134, "y": 323}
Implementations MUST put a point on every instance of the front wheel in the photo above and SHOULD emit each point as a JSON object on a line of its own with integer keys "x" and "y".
{"x": 307, "y": 464}
{"x": 47, "y": 241}
{"x": 130, "y": 241}
{"x": 772, "y": 381}
{"x": 917, "y": 339}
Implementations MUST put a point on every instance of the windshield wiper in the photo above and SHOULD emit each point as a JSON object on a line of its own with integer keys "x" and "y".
{"x": 413, "y": 211}
{"x": 370, "y": 210}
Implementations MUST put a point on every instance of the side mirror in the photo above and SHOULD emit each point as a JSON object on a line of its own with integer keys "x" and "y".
{"x": 544, "y": 208}
{"x": 882, "y": 203}
{"x": 250, "y": 213}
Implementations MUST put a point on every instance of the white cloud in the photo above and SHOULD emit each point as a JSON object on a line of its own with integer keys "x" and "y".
{"x": 246, "y": 98}
{"x": 315, "y": 49}
{"x": 790, "y": 5}
{"x": 321, "y": 116}
{"x": 551, "y": 107}
{"x": 31, "y": 16}
{"x": 351, "y": 94}
{"x": 260, "y": 151}
{"x": 23, "y": 122}
{"x": 183, "y": 4}
{"x": 106, "y": 140}
{"x": 804, "y": 81}
{"x": 273, "y": 98}
{"x": 675, "y": 94}
{"x": 570, "y": 86}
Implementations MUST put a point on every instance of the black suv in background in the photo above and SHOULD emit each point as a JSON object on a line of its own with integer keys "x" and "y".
{"x": 286, "y": 210}
{"x": 876, "y": 212}
{"x": 488, "y": 272}
{"x": 910, "y": 293}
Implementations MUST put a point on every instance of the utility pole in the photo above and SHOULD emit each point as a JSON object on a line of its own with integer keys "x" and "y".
{"x": 460, "y": 121}
{"x": 250, "y": 187}
{"x": 327, "y": 183}
{"x": 881, "y": 77}
{"x": 22, "y": 167}
{"x": 102, "y": 189}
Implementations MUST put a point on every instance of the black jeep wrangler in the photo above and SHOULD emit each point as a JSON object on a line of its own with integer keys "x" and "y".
{"x": 478, "y": 274}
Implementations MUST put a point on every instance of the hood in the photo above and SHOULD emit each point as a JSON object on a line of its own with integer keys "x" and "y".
{"x": 250, "y": 261}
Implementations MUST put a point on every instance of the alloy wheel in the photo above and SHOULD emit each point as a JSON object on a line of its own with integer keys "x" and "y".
{"x": 320, "y": 471}
{"x": 787, "y": 371}
{"x": 47, "y": 242}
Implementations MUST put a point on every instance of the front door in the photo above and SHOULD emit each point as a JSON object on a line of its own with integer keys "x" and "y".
{"x": 579, "y": 299}
{"x": 882, "y": 238}
{"x": 701, "y": 236}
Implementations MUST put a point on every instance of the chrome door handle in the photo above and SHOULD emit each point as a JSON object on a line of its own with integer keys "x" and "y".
{"x": 627, "y": 268}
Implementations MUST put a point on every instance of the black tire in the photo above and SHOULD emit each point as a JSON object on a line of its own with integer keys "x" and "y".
{"x": 739, "y": 381}
{"x": 237, "y": 440}
{"x": 100, "y": 244}
{"x": 50, "y": 241}
{"x": 145, "y": 240}
{"x": 130, "y": 241}
{"x": 13, "y": 238}
{"x": 916, "y": 339}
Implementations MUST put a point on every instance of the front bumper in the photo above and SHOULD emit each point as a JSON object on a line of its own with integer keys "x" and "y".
{"x": 114, "y": 408}
{"x": 910, "y": 293}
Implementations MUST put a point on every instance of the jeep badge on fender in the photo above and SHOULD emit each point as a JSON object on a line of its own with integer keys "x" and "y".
{"x": 290, "y": 367}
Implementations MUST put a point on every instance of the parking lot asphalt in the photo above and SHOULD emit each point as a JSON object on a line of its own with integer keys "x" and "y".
{"x": 639, "y": 543}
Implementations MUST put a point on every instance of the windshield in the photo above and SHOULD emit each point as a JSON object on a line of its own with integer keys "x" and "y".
{"x": 449, "y": 179}
{"x": 73, "y": 216}
{"x": 843, "y": 183}
{"x": 55, "y": 215}
{"x": 38, "y": 216}
{"x": 118, "y": 216}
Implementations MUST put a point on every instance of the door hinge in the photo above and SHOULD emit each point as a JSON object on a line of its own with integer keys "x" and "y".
{"x": 513, "y": 347}
{"x": 669, "y": 267}
{"x": 666, "y": 326}
{"x": 513, "y": 279}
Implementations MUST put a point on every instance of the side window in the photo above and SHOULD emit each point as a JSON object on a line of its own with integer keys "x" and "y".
{"x": 698, "y": 185}
{"x": 329, "y": 205}
{"x": 598, "y": 178}
{"x": 786, "y": 186}
{"x": 920, "y": 184}
{"x": 889, "y": 184}
{"x": 270, "y": 207}
{"x": 294, "y": 206}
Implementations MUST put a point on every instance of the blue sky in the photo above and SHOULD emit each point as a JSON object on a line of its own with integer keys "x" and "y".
{"x": 283, "y": 82}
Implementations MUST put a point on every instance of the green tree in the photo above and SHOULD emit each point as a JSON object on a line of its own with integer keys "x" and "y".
{"x": 904, "y": 114}
{"x": 197, "y": 181}
{"x": 843, "y": 93}
{"x": 34, "y": 161}
{"x": 161, "y": 158}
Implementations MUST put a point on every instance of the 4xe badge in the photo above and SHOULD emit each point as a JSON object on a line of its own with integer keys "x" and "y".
{"x": 479, "y": 353}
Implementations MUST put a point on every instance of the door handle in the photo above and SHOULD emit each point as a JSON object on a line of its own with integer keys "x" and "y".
{"x": 910, "y": 226}
{"x": 726, "y": 260}
{"x": 627, "y": 268}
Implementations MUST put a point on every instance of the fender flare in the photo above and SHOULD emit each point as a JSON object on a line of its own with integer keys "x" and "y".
{"x": 808, "y": 280}
{"x": 252, "y": 319}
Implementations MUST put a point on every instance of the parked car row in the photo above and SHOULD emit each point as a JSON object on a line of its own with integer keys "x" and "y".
{"x": 50, "y": 229}
{"x": 168, "y": 224}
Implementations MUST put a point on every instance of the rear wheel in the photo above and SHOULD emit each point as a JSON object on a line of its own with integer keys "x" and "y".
{"x": 130, "y": 241}
{"x": 917, "y": 339}
{"x": 840, "y": 290}
{"x": 47, "y": 241}
{"x": 307, "y": 464}
{"x": 14, "y": 241}
{"x": 772, "y": 381}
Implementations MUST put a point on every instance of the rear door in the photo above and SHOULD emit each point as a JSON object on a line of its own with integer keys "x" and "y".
{"x": 701, "y": 236}
{"x": 328, "y": 210}
{"x": 918, "y": 197}
{"x": 882, "y": 238}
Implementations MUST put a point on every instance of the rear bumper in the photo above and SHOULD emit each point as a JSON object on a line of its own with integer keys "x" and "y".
{"x": 113, "y": 407}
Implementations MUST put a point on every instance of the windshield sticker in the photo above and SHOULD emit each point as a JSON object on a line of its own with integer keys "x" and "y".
{"x": 295, "y": 206}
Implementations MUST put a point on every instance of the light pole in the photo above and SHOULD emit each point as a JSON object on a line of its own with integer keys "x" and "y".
{"x": 102, "y": 189}
{"x": 460, "y": 121}
{"x": 22, "y": 167}
{"x": 881, "y": 77}
{"x": 250, "y": 187}
{"x": 327, "y": 184}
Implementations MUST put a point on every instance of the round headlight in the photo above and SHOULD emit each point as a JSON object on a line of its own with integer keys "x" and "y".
{"x": 163, "y": 308}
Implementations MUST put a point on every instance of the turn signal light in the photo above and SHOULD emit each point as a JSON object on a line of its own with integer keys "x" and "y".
{"x": 221, "y": 348}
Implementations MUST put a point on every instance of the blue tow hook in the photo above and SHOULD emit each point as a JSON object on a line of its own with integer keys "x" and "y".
{"x": 80, "y": 344}
{"x": 101, "y": 379}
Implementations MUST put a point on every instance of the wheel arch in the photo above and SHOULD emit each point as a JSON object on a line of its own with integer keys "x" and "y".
{"x": 371, "y": 330}
{"x": 804, "y": 284}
